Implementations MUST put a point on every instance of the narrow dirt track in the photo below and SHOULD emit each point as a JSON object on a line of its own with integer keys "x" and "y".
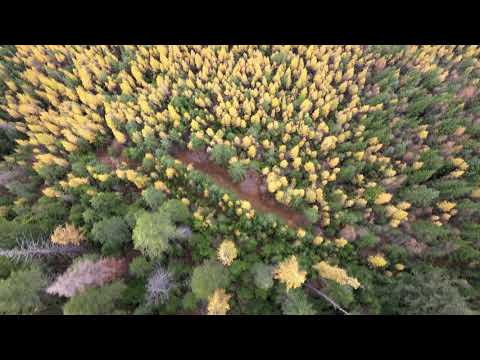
{"x": 248, "y": 189}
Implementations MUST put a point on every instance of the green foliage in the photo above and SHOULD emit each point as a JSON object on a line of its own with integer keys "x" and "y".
{"x": 13, "y": 230}
{"x": 471, "y": 232}
{"x": 176, "y": 210}
{"x": 207, "y": 277}
{"x": 347, "y": 173}
{"x": 368, "y": 240}
{"x": 262, "y": 275}
{"x": 132, "y": 214}
{"x": 189, "y": 302}
{"x": 112, "y": 233}
{"x": 237, "y": 171}
{"x": 6, "y": 267}
{"x": 140, "y": 267}
{"x": 42, "y": 217}
{"x": 296, "y": 303}
{"x": 468, "y": 208}
{"x": 7, "y": 141}
{"x": 421, "y": 196}
{"x": 426, "y": 292}
{"x": 107, "y": 203}
{"x": 134, "y": 294}
{"x": 76, "y": 215}
{"x": 96, "y": 300}
{"x": 311, "y": 214}
{"x": 411, "y": 97}
{"x": 429, "y": 232}
{"x": 152, "y": 232}
{"x": 153, "y": 198}
{"x": 372, "y": 192}
{"x": 51, "y": 173}
{"x": 453, "y": 189}
{"x": 221, "y": 154}
{"x": 341, "y": 294}
{"x": 201, "y": 247}
{"x": 20, "y": 293}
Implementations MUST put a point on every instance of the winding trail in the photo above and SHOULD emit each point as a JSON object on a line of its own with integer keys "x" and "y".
{"x": 249, "y": 189}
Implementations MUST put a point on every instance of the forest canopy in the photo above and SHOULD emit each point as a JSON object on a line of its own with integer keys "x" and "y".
{"x": 269, "y": 179}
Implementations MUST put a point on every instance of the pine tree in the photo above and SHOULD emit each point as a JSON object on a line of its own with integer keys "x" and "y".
{"x": 20, "y": 293}
{"x": 296, "y": 303}
{"x": 208, "y": 277}
{"x": 96, "y": 301}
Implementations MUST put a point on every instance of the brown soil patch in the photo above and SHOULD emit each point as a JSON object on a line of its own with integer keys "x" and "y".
{"x": 249, "y": 189}
{"x": 467, "y": 93}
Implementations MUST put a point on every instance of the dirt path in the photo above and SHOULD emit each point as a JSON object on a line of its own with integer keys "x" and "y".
{"x": 249, "y": 189}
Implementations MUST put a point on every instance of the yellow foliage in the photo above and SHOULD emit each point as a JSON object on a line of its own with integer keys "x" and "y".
{"x": 399, "y": 267}
{"x": 67, "y": 235}
{"x": 341, "y": 242}
{"x": 423, "y": 134}
{"x": 309, "y": 167}
{"x": 383, "y": 198}
{"x": 446, "y": 205}
{"x": 475, "y": 193}
{"x": 170, "y": 172}
{"x": 417, "y": 165}
{"x": 50, "y": 192}
{"x": 336, "y": 274}
{"x": 289, "y": 273}
{"x": 317, "y": 240}
{"x": 377, "y": 261}
{"x": 227, "y": 252}
{"x": 328, "y": 143}
{"x": 218, "y": 303}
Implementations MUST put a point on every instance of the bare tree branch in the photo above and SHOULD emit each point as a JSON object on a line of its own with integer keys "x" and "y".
{"x": 333, "y": 303}
{"x": 29, "y": 248}
{"x": 159, "y": 285}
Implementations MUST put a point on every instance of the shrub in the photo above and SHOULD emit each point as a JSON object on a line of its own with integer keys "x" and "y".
{"x": 237, "y": 171}
{"x": 221, "y": 154}
{"x": 311, "y": 214}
